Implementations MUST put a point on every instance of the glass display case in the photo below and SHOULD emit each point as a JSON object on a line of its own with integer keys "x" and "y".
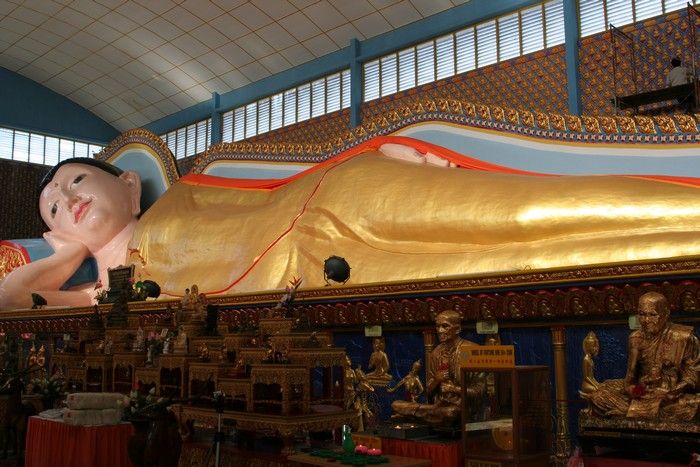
{"x": 508, "y": 424}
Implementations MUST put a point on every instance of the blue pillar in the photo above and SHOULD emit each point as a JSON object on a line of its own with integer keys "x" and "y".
{"x": 572, "y": 59}
{"x": 355, "y": 84}
{"x": 215, "y": 136}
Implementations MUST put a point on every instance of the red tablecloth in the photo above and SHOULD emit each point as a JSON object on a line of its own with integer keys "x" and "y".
{"x": 441, "y": 454}
{"x": 52, "y": 442}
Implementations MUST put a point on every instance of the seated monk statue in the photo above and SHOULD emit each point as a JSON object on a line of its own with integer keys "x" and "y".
{"x": 264, "y": 232}
{"x": 378, "y": 363}
{"x": 444, "y": 386}
{"x": 662, "y": 370}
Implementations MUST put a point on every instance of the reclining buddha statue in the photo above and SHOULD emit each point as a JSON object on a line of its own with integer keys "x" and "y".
{"x": 400, "y": 210}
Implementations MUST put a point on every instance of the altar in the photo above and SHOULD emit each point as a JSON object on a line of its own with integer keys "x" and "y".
{"x": 54, "y": 443}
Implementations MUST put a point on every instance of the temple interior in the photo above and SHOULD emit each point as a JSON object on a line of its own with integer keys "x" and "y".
{"x": 305, "y": 232}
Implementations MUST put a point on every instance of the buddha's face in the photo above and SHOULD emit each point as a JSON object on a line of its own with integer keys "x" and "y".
{"x": 87, "y": 204}
{"x": 653, "y": 314}
{"x": 447, "y": 330}
{"x": 591, "y": 346}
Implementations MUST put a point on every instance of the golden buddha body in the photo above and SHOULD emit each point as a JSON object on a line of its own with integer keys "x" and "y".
{"x": 390, "y": 219}
{"x": 394, "y": 220}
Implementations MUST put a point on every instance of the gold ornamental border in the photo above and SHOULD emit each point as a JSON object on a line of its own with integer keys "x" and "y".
{"x": 605, "y": 290}
{"x": 677, "y": 128}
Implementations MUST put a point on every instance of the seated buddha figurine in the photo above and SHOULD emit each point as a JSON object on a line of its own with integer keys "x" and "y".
{"x": 378, "y": 364}
{"x": 444, "y": 388}
{"x": 470, "y": 216}
{"x": 591, "y": 347}
{"x": 662, "y": 378}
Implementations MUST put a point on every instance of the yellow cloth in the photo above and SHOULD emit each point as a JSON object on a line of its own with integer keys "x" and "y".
{"x": 394, "y": 220}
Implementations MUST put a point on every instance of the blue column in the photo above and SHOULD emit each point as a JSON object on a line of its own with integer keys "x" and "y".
{"x": 572, "y": 59}
{"x": 355, "y": 84}
{"x": 215, "y": 136}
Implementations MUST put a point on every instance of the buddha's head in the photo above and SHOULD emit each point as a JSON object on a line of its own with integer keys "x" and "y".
{"x": 89, "y": 201}
{"x": 591, "y": 346}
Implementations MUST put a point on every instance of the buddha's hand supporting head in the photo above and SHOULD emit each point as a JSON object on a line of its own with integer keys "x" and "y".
{"x": 88, "y": 202}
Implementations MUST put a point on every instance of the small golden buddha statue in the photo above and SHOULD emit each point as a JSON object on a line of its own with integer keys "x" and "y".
{"x": 378, "y": 364}
{"x": 591, "y": 347}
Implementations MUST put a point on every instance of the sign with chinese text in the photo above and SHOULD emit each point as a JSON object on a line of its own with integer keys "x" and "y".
{"x": 487, "y": 356}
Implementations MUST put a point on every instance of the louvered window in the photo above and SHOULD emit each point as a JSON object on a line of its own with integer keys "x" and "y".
{"x": 649, "y": 8}
{"x": 596, "y": 15}
{"x": 6, "y": 143}
{"x": 93, "y": 149}
{"x": 239, "y": 124}
{"x": 486, "y": 44}
{"x": 371, "y": 80}
{"x": 226, "y": 127}
{"x": 532, "y": 32}
{"x": 304, "y": 102}
{"x": 346, "y": 89}
{"x": 180, "y": 143}
{"x": 425, "y": 58}
{"x": 203, "y": 132}
{"x": 264, "y": 115}
{"x": 445, "y": 56}
{"x": 466, "y": 53}
{"x": 36, "y": 149}
{"x": 290, "y": 107}
{"x": 333, "y": 93}
{"x": 554, "y": 22}
{"x": 251, "y": 120}
{"x": 592, "y": 16}
{"x": 81, "y": 149}
{"x": 389, "y": 74}
{"x": 191, "y": 140}
{"x": 276, "y": 105}
{"x": 652, "y": 6}
{"x": 407, "y": 69}
{"x": 51, "y": 150}
{"x": 508, "y": 37}
{"x": 66, "y": 148}
{"x": 620, "y": 12}
{"x": 21, "y": 149}
{"x": 318, "y": 97}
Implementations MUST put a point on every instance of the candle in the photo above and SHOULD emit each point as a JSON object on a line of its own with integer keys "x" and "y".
{"x": 361, "y": 449}
{"x": 374, "y": 452}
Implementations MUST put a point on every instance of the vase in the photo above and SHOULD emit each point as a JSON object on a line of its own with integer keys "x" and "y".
{"x": 348, "y": 442}
{"x": 136, "y": 445}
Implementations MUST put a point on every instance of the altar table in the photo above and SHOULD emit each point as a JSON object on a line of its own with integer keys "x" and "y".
{"x": 441, "y": 453}
{"x": 302, "y": 459}
{"x": 52, "y": 442}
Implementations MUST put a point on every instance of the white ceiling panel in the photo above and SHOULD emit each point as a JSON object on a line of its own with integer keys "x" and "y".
{"x": 135, "y": 61}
